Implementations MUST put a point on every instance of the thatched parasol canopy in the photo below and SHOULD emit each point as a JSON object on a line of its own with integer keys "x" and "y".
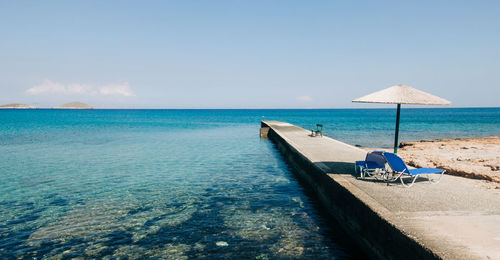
{"x": 401, "y": 94}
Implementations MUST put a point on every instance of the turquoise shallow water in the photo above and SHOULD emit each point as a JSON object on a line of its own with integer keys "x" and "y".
{"x": 180, "y": 183}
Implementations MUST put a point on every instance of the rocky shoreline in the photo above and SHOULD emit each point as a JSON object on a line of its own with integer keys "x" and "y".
{"x": 476, "y": 158}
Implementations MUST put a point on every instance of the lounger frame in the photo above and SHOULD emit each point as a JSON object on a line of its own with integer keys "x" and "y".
{"x": 402, "y": 171}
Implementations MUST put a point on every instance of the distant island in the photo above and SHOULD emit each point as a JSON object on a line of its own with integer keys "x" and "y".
{"x": 75, "y": 105}
{"x": 17, "y": 106}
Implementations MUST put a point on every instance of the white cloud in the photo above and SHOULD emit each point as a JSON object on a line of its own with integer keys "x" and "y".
{"x": 47, "y": 87}
{"x": 77, "y": 88}
{"x": 117, "y": 89}
{"x": 50, "y": 87}
{"x": 305, "y": 98}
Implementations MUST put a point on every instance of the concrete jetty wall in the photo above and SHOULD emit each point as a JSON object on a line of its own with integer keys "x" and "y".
{"x": 367, "y": 225}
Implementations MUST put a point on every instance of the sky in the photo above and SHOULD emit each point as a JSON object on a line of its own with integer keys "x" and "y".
{"x": 246, "y": 54}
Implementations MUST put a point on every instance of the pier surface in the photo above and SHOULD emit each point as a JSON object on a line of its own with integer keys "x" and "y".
{"x": 452, "y": 220}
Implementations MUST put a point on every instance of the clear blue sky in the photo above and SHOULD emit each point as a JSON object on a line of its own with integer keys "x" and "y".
{"x": 246, "y": 54}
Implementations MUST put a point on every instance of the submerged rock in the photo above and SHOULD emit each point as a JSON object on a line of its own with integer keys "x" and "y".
{"x": 221, "y": 243}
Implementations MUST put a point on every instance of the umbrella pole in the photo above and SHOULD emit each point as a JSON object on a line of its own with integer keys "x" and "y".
{"x": 397, "y": 130}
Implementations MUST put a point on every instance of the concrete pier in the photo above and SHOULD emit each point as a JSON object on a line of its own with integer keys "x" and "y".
{"x": 451, "y": 220}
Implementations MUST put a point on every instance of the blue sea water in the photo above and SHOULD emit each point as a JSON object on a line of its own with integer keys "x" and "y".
{"x": 181, "y": 183}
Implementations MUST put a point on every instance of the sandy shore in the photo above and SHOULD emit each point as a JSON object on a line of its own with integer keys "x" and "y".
{"x": 476, "y": 158}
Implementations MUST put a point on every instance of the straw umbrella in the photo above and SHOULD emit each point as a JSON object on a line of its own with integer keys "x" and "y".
{"x": 401, "y": 94}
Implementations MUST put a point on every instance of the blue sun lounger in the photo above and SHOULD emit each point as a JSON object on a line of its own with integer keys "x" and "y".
{"x": 373, "y": 163}
{"x": 399, "y": 166}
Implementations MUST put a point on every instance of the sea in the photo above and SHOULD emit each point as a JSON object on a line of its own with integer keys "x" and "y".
{"x": 183, "y": 184}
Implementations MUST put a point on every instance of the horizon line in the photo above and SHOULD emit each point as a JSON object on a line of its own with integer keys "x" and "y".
{"x": 166, "y": 108}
